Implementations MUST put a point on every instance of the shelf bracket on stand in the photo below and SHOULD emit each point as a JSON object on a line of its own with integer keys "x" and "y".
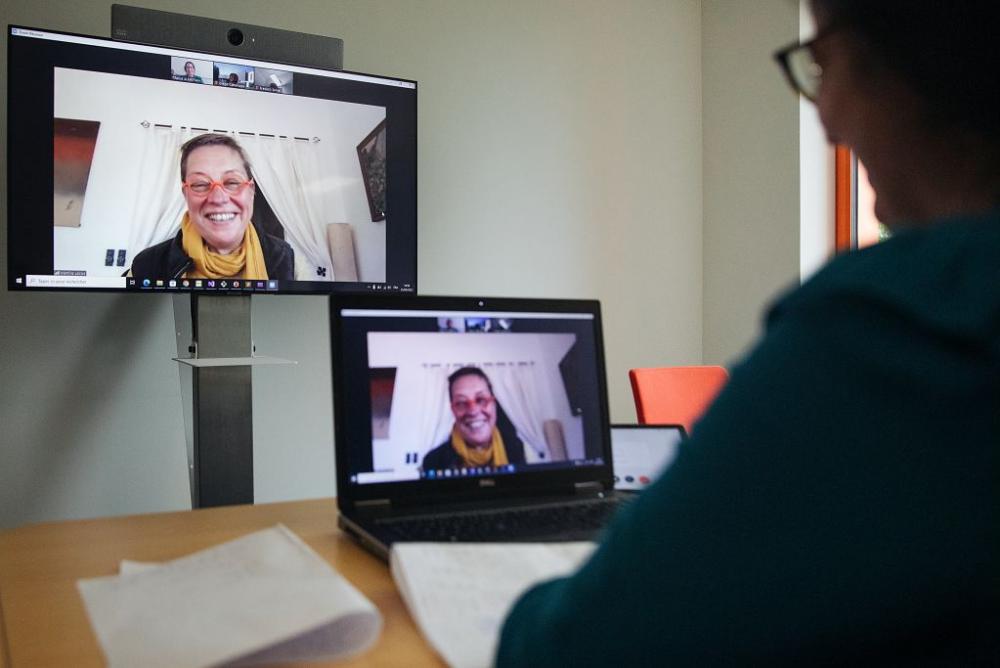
{"x": 221, "y": 462}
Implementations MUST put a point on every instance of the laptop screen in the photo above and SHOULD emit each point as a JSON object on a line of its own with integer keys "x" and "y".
{"x": 444, "y": 390}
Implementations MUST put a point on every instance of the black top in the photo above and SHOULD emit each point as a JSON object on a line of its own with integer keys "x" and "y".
{"x": 445, "y": 457}
{"x": 838, "y": 504}
{"x": 168, "y": 260}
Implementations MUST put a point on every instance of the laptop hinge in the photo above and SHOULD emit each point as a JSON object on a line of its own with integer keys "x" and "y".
{"x": 590, "y": 487}
{"x": 373, "y": 503}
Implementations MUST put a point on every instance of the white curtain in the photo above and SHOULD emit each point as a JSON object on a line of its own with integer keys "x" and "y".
{"x": 516, "y": 386}
{"x": 159, "y": 205}
{"x": 436, "y": 416}
{"x": 286, "y": 170}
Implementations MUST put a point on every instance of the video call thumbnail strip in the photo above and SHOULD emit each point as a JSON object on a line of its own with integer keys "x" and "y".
{"x": 231, "y": 75}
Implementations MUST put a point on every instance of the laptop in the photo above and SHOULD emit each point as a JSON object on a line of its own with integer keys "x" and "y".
{"x": 642, "y": 452}
{"x": 470, "y": 419}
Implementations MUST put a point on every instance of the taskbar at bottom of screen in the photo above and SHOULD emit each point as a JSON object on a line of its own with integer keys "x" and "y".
{"x": 227, "y": 285}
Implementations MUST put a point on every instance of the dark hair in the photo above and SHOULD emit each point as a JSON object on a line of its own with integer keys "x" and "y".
{"x": 212, "y": 139}
{"x": 468, "y": 371}
{"x": 946, "y": 50}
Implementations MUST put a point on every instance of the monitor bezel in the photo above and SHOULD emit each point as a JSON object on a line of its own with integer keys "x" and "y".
{"x": 317, "y": 288}
{"x": 541, "y": 482}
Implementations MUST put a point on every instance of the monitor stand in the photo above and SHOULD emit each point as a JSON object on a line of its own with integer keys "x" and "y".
{"x": 221, "y": 459}
{"x": 220, "y": 453}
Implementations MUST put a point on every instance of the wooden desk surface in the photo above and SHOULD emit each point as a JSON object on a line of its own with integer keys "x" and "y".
{"x": 42, "y": 618}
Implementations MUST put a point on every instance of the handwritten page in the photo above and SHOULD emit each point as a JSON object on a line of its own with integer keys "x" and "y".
{"x": 264, "y": 598}
{"x": 460, "y": 593}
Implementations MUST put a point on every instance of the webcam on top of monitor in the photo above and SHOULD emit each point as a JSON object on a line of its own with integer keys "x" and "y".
{"x": 159, "y": 28}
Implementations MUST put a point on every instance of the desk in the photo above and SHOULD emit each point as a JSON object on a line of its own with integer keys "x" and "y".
{"x": 42, "y": 618}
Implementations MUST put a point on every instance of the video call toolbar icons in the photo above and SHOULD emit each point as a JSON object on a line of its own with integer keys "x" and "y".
{"x": 464, "y": 472}
{"x": 228, "y": 284}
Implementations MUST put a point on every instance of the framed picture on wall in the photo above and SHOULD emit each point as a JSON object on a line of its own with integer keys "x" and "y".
{"x": 371, "y": 156}
{"x": 73, "y": 144}
{"x": 383, "y": 384}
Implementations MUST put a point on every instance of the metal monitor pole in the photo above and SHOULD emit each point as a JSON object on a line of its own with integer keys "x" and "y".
{"x": 221, "y": 462}
{"x": 221, "y": 459}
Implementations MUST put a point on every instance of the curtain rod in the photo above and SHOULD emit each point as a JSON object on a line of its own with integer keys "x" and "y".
{"x": 479, "y": 364}
{"x": 147, "y": 124}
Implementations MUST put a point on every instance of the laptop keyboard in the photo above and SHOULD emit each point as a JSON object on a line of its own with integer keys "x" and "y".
{"x": 581, "y": 520}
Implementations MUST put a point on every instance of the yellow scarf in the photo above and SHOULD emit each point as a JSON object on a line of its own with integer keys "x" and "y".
{"x": 247, "y": 261}
{"x": 495, "y": 455}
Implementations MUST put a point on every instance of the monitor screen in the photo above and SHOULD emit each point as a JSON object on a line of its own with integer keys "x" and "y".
{"x": 446, "y": 385}
{"x": 145, "y": 169}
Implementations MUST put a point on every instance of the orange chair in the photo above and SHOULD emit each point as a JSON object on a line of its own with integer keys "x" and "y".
{"x": 675, "y": 394}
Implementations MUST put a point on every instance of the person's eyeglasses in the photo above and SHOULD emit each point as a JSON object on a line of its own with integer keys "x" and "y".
{"x": 798, "y": 62}
{"x": 463, "y": 406}
{"x": 231, "y": 186}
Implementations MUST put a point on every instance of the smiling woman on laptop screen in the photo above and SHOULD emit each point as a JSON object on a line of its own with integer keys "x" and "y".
{"x": 463, "y": 393}
{"x": 475, "y": 439}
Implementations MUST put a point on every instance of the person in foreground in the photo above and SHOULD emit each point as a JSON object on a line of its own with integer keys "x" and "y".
{"x": 475, "y": 439}
{"x": 217, "y": 238}
{"x": 840, "y": 500}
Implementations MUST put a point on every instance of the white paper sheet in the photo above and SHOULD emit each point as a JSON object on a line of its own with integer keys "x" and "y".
{"x": 459, "y": 594}
{"x": 263, "y": 598}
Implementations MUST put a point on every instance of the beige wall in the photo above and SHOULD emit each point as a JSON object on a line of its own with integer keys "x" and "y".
{"x": 560, "y": 150}
{"x": 751, "y": 169}
{"x": 641, "y": 152}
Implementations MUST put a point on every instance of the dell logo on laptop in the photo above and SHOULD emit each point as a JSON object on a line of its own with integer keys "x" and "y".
{"x": 487, "y": 482}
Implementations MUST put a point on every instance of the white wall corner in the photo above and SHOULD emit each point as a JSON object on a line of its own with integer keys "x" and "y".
{"x": 816, "y": 177}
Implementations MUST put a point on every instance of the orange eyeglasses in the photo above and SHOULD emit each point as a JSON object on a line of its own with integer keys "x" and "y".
{"x": 202, "y": 186}
{"x": 463, "y": 406}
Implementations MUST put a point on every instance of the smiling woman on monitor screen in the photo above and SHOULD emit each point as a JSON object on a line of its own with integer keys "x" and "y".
{"x": 217, "y": 238}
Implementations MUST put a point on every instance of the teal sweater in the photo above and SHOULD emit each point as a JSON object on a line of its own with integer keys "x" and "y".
{"x": 839, "y": 502}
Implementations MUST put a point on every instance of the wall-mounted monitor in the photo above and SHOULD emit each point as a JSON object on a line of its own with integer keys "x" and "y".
{"x": 147, "y": 169}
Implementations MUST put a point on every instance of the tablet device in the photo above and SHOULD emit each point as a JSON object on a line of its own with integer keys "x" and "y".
{"x": 641, "y": 452}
